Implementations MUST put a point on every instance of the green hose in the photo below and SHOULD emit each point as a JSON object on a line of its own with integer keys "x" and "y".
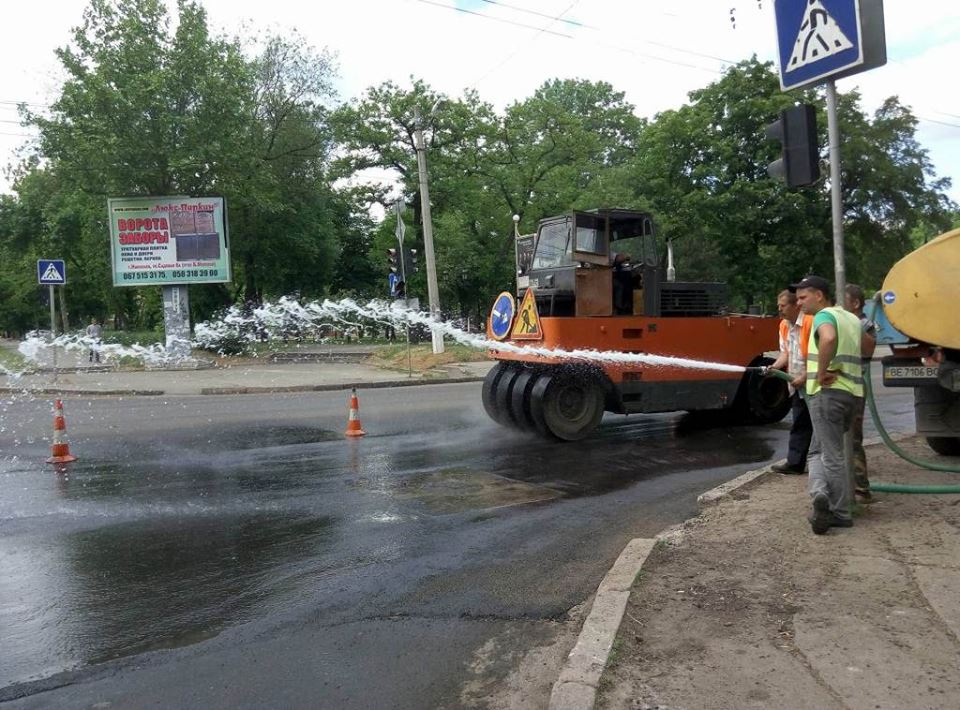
{"x": 891, "y": 487}
{"x": 931, "y": 465}
{"x": 780, "y": 374}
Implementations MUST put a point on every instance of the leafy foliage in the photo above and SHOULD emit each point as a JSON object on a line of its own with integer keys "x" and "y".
{"x": 154, "y": 104}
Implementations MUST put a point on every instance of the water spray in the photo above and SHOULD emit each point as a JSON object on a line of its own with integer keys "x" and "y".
{"x": 269, "y": 321}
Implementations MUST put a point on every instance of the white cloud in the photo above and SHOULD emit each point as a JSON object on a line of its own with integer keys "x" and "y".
{"x": 655, "y": 52}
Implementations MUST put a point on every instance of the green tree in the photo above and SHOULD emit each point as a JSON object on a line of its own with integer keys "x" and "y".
{"x": 542, "y": 156}
{"x": 151, "y": 110}
{"x": 703, "y": 170}
{"x": 289, "y": 216}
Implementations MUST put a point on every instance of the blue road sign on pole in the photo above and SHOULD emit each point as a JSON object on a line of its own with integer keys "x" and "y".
{"x": 817, "y": 40}
{"x": 51, "y": 272}
{"x": 501, "y": 315}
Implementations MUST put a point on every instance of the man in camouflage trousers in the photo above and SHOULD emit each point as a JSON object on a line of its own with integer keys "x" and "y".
{"x": 854, "y": 302}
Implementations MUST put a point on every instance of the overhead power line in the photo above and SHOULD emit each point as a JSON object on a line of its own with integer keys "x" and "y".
{"x": 520, "y": 47}
{"x": 544, "y": 15}
{"x": 933, "y": 120}
{"x": 494, "y": 19}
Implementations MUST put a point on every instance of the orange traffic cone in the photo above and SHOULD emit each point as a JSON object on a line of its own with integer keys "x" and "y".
{"x": 60, "y": 451}
{"x": 354, "y": 427}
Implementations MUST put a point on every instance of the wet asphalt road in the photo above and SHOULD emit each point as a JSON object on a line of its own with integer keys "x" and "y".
{"x": 238, "y": 552}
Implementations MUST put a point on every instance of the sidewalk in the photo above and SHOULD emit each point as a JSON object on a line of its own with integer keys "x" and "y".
{"x": 747, "y": 608}
{"x": 255, "y": 376}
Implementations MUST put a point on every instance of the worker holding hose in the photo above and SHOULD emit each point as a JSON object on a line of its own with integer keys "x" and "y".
{"x": 794, "y": 336}
{"x": 834, "y": 388}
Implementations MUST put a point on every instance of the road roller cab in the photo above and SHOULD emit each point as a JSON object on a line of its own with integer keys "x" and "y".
{"x": 595, "y": 280}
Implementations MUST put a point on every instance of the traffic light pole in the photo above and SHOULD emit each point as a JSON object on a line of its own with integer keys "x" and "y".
{"x": 432, "y": 289}
{"x": 836, "y": 196}
{"x": 839, "y": 262}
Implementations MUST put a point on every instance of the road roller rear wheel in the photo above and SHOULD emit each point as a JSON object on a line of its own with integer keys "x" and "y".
{"x": 567, "y": 406}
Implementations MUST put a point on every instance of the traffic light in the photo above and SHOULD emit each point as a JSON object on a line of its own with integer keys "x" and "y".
{"x": 412, "y": 265}
{"x": 392, "y": 257}
{"x": 799, "y": 162}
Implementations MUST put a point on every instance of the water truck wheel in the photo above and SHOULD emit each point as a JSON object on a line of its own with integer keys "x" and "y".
{"x": 567, "y": 406}
{"x": 945, "y": 445}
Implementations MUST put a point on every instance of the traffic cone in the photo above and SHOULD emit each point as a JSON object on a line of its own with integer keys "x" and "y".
{"x": 60, "y": 450}
{"x": 354, "y": 427}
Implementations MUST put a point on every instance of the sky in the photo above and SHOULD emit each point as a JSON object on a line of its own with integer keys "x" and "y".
{"x": 655, "y": 52}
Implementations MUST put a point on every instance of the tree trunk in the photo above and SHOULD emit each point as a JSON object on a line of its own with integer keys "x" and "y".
{"x": 250, "y": 283}
{"x": 64, "y": 316}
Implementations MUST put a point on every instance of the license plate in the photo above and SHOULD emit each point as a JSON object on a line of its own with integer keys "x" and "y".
{"x": 909, "y": 372}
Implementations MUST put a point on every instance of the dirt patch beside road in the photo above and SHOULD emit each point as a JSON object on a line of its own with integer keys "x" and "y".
{"x": 750, "y": 609}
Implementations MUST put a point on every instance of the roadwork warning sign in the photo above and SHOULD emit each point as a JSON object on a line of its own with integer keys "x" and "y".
{"x": 526, "y": 326}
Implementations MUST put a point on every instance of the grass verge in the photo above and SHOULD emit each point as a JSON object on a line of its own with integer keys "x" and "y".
{"x": 422, "y": 357}
{"x": 12, "y": 360}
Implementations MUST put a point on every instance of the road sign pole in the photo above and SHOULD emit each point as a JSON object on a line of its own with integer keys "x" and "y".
{"x": 839, "y": 263}
{"x": 53, "y": 331}
{"x": 406, "y": 301}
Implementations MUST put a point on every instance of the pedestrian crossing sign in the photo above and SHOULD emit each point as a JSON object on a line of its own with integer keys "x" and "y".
{"x": 526, "y": 326}
{"x": 819, "y": 40}
{"x": 51, "y": 272}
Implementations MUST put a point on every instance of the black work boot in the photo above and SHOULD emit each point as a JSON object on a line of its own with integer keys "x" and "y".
{"x": 822, "y": 518}
{"x": 787, "y": 469}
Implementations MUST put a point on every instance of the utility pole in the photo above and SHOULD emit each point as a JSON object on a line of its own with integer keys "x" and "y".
{"x": 432, "y": 291}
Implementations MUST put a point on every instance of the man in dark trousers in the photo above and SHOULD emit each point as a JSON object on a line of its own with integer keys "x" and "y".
{"x": 794, "y": 335}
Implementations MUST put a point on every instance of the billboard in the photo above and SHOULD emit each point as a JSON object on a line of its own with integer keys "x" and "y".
{"x": 168, "y": 240}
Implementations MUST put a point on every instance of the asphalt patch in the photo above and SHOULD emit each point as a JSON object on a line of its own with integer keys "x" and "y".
{"x": 455, "y": 490}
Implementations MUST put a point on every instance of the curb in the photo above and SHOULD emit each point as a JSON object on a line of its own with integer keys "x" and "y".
{"x": 74, "y": 391}
{"x": 747, "y": 480}
{"x": 244, "y": 390}
{"x": 576, "y": 687}
{"x": 339, "y": 386}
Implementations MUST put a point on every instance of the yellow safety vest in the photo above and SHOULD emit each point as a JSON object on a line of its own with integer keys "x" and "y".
{"x": 846, "y": 362}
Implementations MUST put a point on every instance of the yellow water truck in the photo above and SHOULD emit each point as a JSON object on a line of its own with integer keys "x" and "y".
{"x": 921, "y": 299}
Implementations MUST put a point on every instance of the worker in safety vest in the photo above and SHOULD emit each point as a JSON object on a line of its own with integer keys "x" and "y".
{"x": 834, "y": 386}
{"x": 794, "y": 336}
